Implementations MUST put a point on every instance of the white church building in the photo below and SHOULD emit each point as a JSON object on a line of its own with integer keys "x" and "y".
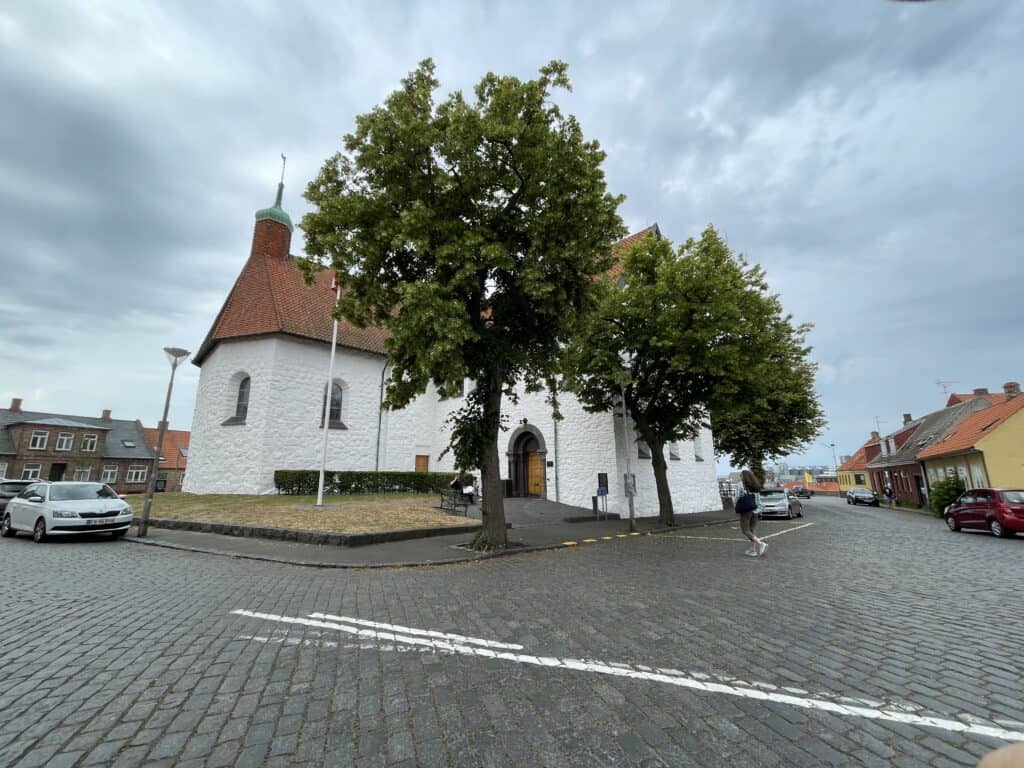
{"x": 259, "y": 405}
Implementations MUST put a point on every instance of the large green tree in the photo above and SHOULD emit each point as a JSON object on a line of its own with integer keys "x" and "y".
{"x": 692, "y": 337}
{"x": 471, "y": 230}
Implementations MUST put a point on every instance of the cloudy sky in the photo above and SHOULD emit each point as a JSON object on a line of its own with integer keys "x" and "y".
{"x": 869, "y": 154}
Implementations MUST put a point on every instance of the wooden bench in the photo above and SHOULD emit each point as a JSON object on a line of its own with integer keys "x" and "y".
{"x": 451, "y": 500}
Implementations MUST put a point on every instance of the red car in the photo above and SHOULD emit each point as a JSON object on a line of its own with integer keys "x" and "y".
{"x": 993, "y": 509}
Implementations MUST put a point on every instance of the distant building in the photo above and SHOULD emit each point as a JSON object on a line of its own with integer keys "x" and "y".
{"x": 853, "y": 472}
{"x": 50, "y": 446}
{"x": 173, "y": 457}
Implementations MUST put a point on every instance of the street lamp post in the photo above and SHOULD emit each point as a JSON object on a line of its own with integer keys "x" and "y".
{"x": 175, "y": 355}
{"x": 835, "y": 461}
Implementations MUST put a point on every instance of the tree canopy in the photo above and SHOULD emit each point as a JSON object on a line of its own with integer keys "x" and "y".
{"x": 470, "y": 230}
{"x": 691, "y": 337}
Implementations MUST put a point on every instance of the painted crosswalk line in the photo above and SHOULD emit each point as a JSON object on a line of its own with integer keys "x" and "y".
{"x": 905, "y": 713}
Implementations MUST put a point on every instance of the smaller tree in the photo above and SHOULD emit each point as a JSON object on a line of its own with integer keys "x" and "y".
{"x": 944, "y": 493}
{"x": 691, "y": 337}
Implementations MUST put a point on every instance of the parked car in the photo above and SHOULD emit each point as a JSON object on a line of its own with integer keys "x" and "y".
{"x": 11, "y": 488}
{"x": 780, "y": 503}
{"x": 63, "y": 508}
{"x": 862, "y": 496}
{"x": 802, "y": 493}
{"x": 998, "y": 510}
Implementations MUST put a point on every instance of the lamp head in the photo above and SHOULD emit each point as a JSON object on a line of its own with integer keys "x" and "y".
{"x": 175, "y": 355}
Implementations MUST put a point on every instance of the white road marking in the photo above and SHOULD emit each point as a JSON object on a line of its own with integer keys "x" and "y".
{"x": 425, "y": 632}
{"x": 966, "y": 724}
{"x": 723, "y": 538}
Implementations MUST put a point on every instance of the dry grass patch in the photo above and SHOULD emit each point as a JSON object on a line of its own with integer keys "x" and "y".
{"x": 340, "y": 514}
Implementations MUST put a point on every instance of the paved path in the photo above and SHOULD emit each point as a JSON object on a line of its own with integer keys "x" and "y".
{"x": 869, "y": 638}
{"x": 537, "y": 524}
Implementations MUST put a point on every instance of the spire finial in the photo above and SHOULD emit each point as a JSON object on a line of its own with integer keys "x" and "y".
{"x": 280, "y": 184}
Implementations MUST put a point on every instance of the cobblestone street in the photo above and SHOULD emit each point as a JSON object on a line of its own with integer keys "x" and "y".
{"x": 870, "y": 637}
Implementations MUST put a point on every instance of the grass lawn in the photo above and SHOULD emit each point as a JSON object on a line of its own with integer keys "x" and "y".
{"x": 340, "y": 514}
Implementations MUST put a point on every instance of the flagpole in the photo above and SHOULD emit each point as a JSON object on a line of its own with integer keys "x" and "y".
{"x": 327, "y": 399}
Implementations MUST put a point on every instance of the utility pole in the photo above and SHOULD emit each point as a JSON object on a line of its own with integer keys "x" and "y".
{"x": 629, "y": 475}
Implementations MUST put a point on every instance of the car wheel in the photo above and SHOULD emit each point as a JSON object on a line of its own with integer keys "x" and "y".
{"x": 39, "y": 532}
{"x": 954, "y": 526}
{"x": 875, "y": 503}
{"x": 800, "y": 511}
{"x": 5, "y": 528}
{"x": 848, "y": 500}
{"x": 117, "y": 534}
{"x": 789, "y": 512}
{"x": 998, "y": 529}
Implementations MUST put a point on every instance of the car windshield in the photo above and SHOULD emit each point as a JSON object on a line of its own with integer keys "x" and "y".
{"x": 1013, "y": 497}
{"x": 773, "y": 494}
{"x": 13, "y": 487}
{"x": 81, "y": 492}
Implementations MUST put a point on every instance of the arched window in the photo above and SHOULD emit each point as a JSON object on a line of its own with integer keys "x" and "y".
{"x": 334, "y": 416}
{"x": 242, "y": 402}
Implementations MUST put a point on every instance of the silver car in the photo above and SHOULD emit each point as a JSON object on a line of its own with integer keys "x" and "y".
{"x": 781, "y": 503}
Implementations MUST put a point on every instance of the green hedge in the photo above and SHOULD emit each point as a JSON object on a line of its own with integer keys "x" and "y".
{"x": 304, "y": 482}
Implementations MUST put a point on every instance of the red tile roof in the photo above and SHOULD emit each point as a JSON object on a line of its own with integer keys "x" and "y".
{"x": 616, "y": 269}
{"x": 270, "y": 296}
{"x": 992, "y": 397}
{"x": 964, "y": 436}
{"x": 175, "y": 440}
{"x": 859, "y": 460}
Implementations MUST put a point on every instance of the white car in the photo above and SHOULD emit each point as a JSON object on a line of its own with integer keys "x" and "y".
{"x": 65, "y": 508}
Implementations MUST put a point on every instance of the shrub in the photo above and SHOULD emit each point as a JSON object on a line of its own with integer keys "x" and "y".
{"x": 944, "y": 492}
{"x": 304, "y": 481}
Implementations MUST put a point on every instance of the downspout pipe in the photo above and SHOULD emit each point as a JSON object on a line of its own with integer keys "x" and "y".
{"x": 380, "y": 416}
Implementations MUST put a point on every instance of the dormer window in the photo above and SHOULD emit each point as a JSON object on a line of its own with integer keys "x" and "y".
{"x": 128, "y": 443}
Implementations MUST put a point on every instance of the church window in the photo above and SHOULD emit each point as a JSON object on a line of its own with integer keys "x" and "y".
{"x": 242, "y": 401}
{"x": 643, "y": 450}
{"x": 334, "y": 414}
{"x": 698, "y": 449}
{"x": 673, "y": 451}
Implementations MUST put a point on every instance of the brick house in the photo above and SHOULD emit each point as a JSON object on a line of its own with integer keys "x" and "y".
{"x": 50, "y": 446}
{"x": 897, "y": 466}
{"x": 173, "y": 458}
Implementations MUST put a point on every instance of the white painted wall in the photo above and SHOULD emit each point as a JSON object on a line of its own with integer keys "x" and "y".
{"x": 282, "y": 430}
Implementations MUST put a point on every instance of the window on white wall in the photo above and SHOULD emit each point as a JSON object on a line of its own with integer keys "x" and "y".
{"x": 643, "y": 450}
{"x": 698, "y": 449}
{"x": 334, "y": 415}
{"x": 673, "y": 451}
{"x": 242, "y": 400}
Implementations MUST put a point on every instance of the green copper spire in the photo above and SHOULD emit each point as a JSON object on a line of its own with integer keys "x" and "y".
{"x": 276, "y": 212}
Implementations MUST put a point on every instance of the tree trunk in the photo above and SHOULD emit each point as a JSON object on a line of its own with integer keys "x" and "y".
{"x": 666, "y": 515}
{"x": 493, "y": 535}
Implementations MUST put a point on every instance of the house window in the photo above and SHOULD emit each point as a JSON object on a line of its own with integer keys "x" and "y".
{"x": 858, "y": 480}
{"x": 65, "y": 440}
{"x": 88, "y": 443}
{"x": 82, "y": 473}
{"x": 136, "y": 473}
{"x": 39, "y": 439}
{"x": 128, "y": 443}
{"x": 334, "y": 414}
{"x": 673, "y": 451}
{"x": 643, "y": 450}
{"x": 30, "y": 471}
{"x": 242, "y": 401}
{"x": 109, "y": 473}
{"x": 3, "y": 469}
{"x": 698, "y": 449}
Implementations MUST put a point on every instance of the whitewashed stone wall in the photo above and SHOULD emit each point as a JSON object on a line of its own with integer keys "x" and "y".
{"x": 282, "y": 430}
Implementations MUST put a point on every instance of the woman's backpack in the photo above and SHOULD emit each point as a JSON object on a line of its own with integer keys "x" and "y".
{"x": 747, "y": 502}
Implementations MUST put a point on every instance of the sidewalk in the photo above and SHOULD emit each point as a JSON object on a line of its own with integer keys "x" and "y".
{"x": 433, "y": 551}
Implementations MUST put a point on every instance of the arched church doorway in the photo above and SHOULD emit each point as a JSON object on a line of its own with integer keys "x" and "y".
{"x": 526, "y": 462}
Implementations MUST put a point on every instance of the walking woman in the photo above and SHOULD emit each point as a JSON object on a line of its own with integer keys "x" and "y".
{"x": 748, "y": 507}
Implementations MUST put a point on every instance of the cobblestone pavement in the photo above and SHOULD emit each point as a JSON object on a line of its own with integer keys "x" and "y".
{"x": 117, "y": 654}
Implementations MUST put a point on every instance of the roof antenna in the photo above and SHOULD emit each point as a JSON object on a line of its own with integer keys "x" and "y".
{"x": 280, "y": 184}
{"x": 946, "y": 385}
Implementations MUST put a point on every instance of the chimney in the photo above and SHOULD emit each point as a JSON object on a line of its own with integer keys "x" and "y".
{"x": 16, "y": 404}
{"x": 980, "y": 391}
{"x": 875, "y": 436}
{"x": 106, "y": 414}
{"x": 1011, "y": 388}
{"x": 906, "y": 418}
